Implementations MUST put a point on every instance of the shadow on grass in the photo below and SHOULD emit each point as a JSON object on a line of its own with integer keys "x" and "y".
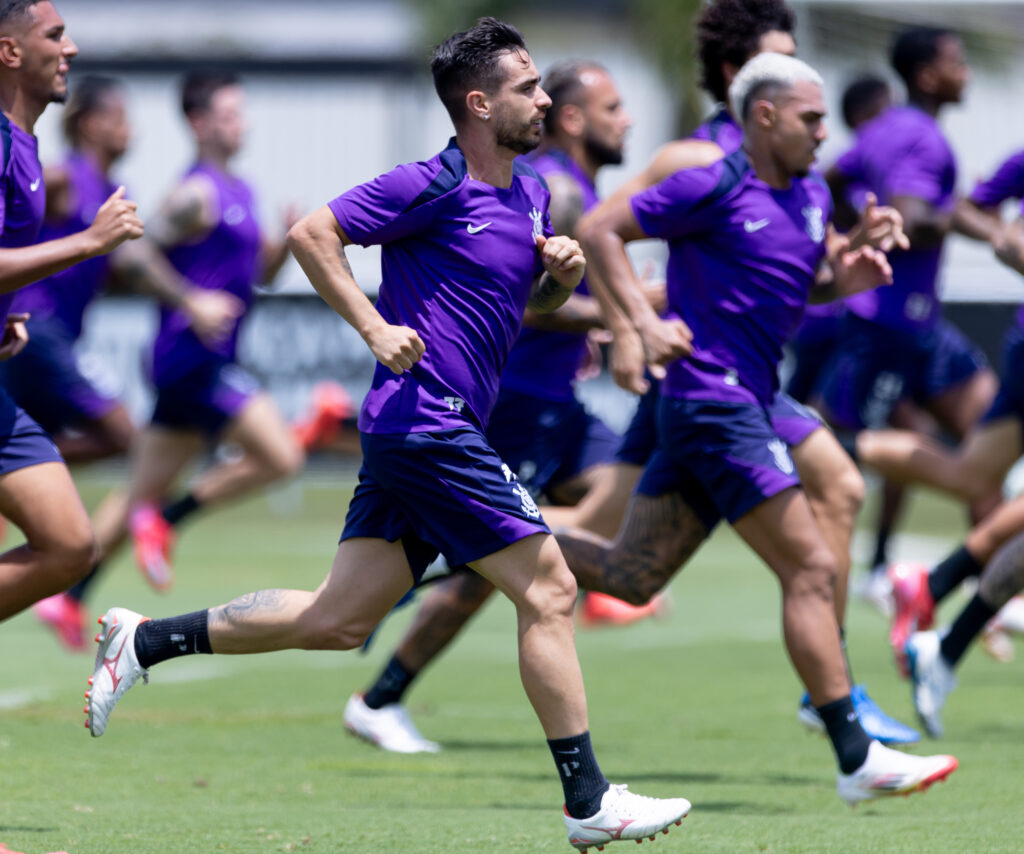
{"x": 741, "y": 807}
{"x": 13, "y": 828}
{"x": 720, "y": 779}
{"x": 483, "y": 744}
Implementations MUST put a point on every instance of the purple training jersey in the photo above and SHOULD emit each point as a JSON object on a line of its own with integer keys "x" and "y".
{"x": 226, "y": 259}
{"x": 742, "y": 260}
{"x": 722, "y": 130}
{"x": 542, "y": 363}
{"x": 64, "y": 296}
{"x": 23, "y": 200}
{"x": 903, "y": 152}
{"x": 458, "y": 261}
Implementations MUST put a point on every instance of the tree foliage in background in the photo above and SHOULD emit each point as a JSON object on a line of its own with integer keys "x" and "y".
{"x": 662, "y": 29}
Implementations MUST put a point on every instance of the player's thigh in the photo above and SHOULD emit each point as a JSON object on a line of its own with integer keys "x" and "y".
{"x": 529, "y": 568}
{"x": 261, "y": 430}
{"x": 367, "y": 578}
{"x": 827, "y": 472}
{"x": 43, "y": 502}
{"x": 115, "y": 427}
{"x": 960, "y": 407}
{"x": 990, "y": 450}
{"x": 159, "y": 456}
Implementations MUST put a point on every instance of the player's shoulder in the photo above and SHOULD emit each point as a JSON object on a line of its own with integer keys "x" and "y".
{"x": 680, "y": 154}
{"x": 526, "y": 173}
{"x": 440, "y": 175}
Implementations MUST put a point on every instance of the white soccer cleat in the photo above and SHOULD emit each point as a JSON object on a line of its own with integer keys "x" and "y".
{"x": 933, "y": 679}
{"x": 624, "y": 815}
{"x": 889, "y": 772}
{"x": 389, "y": 727}
{"x": 117, "y": 667}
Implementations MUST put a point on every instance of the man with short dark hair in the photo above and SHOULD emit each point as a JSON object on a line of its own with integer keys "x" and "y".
{"x": 467, "y": 247}
{"x": 36, "y": 492}
{"x": 748, "y": 247}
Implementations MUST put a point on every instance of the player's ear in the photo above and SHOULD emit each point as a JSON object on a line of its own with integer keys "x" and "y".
{"x": 478, "y": 105}
{"x": 570, "y": 120}
{"x": 763, "y": 113}
{"x": 10, "y": 52}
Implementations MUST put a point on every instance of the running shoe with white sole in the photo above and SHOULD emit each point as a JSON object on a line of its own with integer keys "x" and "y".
{"x": 389, "y": 727}
{"x": 153, "y": 541}
{"x": 117, "y": 667}
{"x": 914, "y": 608}
{"x": 932, "y": 677}
{"x": 624, "y": 815}
{"x": 66, "y": 616}
{"x": 876, "y": 723}
{"x": 889, "y": 772}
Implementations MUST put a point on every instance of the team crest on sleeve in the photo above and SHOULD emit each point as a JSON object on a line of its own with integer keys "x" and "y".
{"x": 538, "y": 222}
{"x": 815, "y": 223}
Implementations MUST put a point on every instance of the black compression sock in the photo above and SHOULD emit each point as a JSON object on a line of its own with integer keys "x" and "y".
{"x": 78, "y": 591}
{"x": 159, "y": 640}
{"x": 178, "y": 510}
{"x": 966, "y": 628}
{"x": 848, "y": 738}
{"x": 390, "y": 686}
{"x": 949, "y": 574}
{"x": 881, "y": 559}
{"x": 582, "y": 781}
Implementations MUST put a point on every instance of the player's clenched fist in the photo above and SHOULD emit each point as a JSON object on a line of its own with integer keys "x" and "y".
{"x": 562, "y": 258}
{"x": 398, "y": 348}
{"x": 116, "y": 221}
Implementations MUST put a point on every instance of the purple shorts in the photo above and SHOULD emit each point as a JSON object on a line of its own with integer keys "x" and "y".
{"x": 205, "y": 399}
{"x": 792, "y": 422}
{"x": 443, "y": 492}
{"x": 1009, "y": 402}
{"x": 724, "y": 459}
{"x": 547, "y": 442}
{"x": 874, "y": 368}
{"x": 51, "y": 384}
{"x": 23, "y": 443}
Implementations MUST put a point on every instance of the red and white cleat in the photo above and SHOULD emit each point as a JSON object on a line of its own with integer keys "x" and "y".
{"x": 914, "y": 609}
{"x": 624, "y": 815}
{"x": 67, "y": 617}
{"x": 331, "y": 406}
{"x": 117, "y": 667}
{"x": 153, "y": 540}
{"x": 599, "y": 609}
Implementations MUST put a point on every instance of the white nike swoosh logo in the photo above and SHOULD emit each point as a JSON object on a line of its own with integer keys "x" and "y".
{"x": 751, "y": 227}
{"x": 473, "y": 229}
{"x": 35, "y": 185}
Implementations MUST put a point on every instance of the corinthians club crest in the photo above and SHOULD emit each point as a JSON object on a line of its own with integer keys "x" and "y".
{"x": 815, "y": 226}
{"x": 538, "y": 223}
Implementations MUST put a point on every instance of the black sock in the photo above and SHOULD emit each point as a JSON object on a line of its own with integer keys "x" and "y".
{"x": 159, "y": 640}
{"x": 78, "y": 591}
{"x": 390, "y": 686}
{"x": 965, "y": 628}
{"x": 880, "y": 561}
{"x": 949, "y": 574}
{"x": 178, "y": 510}
{"x": 582, "y": 781}
{"x": 848, "y": 738}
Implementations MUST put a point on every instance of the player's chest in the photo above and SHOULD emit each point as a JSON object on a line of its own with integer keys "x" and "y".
{"x": 496, "y": 234}
{"x": 769, "y": 232}
{"x": 25, "y": 203}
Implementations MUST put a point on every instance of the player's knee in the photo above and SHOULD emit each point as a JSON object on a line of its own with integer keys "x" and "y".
{"x": 287, "y": 461}
{"x": 848, "y": 490}
{"x": 69, "y": 556}
{"x": 553, "y": 593}
{"x": 816, "y": 575}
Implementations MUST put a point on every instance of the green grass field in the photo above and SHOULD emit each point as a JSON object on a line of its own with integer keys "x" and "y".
{"x": 249, "y": 755}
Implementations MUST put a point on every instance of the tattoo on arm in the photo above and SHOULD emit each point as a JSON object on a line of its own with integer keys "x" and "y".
{"x": 548, "y": 294}
{"x": 566, "y": 204}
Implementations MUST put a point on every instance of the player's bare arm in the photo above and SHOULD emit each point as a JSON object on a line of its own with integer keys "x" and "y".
{"x": 188, "y": 212}
{"x": 58, "y": 192}
{"x": 845, "y": 215}
{"x": 116, "y": 221}
{"x": 274, "y": 249}
{"x": 977, "y": 222}
{"x": 564, "y": 266}
{"x": 15, "y": 336}
{"x": 318, "y": 243}
{"x": 924, "y": 224}
{"x": 1008, "y": 245}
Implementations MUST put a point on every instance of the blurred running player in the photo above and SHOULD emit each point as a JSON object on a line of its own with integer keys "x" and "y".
{"x": 65, "y": 396}
{"x": 467, "y": 247}
{"x": 749, "y": 245}
{"x": 36, "y": 492}
{"x": 538, "y": 427}
{"x": 209, "y": 230}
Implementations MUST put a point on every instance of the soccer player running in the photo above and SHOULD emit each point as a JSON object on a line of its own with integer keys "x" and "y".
{"x": 729, "y": 33}
{"x": 47, "y": 379}
{"x": 895, "y": 344}
{"x": 209, "y": 230}
{"x": 467, "y": 247}
{"x": 36, "y": 491}
{"x": 748, "y": 248}
{"x": 537, "y": 427}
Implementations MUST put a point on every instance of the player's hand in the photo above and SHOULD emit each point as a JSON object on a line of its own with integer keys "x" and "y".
{"x": 562, "y": 259}
{"x": 861, "y": 270}
{"x": 627, "y": 362}
{"x": 665, "y": 340}
{"x": 882, "y": 226}
{"x": 593, "y": 359}
{"x": 398, "y": 348}
{"x": 15, "y": 336}
{"x": 116, "y": 221}
{"x": 212, "y": 314}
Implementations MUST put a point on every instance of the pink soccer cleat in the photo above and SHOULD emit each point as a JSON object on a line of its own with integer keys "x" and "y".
{"x": 153, "y": 538}
{"x": 67, "y": 617}
{"x": 914, "y": 609}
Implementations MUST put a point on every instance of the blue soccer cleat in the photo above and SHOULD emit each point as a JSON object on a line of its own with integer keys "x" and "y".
{"x": 877, "y": 724}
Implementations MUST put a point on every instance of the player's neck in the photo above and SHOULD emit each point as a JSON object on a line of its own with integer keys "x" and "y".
{"x": 766, "y": 167}
{"x": 577, "y": 151}
{"x": 486, "y": 161}
{"x": 214, "y": 155}
{"x": 925, "y": 102}
{"x": 103, "y": 159}
{"x": 20, "y": 109}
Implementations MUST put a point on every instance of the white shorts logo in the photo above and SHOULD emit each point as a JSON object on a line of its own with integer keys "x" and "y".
{"x": 526, "y": 502}
{"x": 455, "y": 404}
{"x": 783, "y": 461}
